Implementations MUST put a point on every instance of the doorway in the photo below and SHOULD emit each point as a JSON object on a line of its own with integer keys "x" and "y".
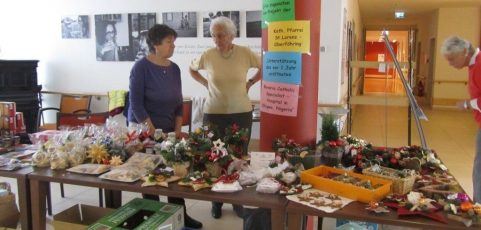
{"x": 380, "y": 80}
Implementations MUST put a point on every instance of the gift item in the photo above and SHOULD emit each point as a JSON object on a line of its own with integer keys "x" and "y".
{"x": 247, "y": 178}
{"x": 226, "y": 187}
{"x": 91, "y": 169}
{"x": 59, "y": 160}
{"x": 116, "y": 161}
{"x": 403, "y": 180}
{"x": 268, "y": 185}
{"x": 160, "y": 180}
{"x": 122, "y": 175}
{"x": 98, "y": 153}
{"x": 197, "y": 180}
{"x": 317, "y": 199}
{"x": 294, "y": 189}
{"x": 41, "y": 158}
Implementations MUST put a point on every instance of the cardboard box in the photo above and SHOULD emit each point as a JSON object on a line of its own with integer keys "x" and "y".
{"x": 79, "y": 217}
{"x": 142, "y": 214}
{"x": 316, "y": 177}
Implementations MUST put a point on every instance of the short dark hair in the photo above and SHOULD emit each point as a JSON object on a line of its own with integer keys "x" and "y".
{"x": 157, "y": 33}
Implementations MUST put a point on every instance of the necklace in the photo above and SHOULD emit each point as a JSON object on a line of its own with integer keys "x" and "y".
{"x": 228, "y": 54}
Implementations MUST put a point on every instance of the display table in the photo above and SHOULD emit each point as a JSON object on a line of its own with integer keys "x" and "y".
{"x": 23, "y": 194}
{"x": 356, "y": 211}
{"x": 41, "y": 177}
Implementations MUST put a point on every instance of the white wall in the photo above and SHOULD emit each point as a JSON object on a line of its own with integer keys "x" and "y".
{"x": 330, "y": 59}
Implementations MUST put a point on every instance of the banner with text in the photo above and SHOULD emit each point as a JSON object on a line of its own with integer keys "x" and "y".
{"x": 277, "y": 10}
{"x": 282, "y": 67}
{"x": 289, "y": 36}
{"x": 279, "y": 98}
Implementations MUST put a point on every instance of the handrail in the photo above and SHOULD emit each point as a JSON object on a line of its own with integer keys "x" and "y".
{"x": 375, "y": 64}
{"x": 451, "y": 82}
{"x": 416, "y": 109}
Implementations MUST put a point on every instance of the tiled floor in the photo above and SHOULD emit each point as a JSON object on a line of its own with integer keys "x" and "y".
{"x": 450, "y": 132}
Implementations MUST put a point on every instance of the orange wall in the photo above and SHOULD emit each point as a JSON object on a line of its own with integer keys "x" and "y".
{"x": 373, "y": 49}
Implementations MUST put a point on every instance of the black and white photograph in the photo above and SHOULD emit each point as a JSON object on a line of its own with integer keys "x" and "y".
{"x": 209, "y": 16}
{"x": 112, "y": 37}
{"x": 253, "y": 24}
{"x": 184, "y": 23}
{"x": 75, "y": 26}
{"x": 138, "y": 28}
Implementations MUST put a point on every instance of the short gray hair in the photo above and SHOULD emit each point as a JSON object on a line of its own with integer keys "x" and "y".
{"x": 225, "y": 22}
{"x": 455, "y": 45}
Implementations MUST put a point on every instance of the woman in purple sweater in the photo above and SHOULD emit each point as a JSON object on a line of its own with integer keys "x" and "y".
{"x": 156, "y": 93}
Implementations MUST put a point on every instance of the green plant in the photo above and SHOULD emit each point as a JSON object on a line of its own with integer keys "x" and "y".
{"x": 329, "y": 130}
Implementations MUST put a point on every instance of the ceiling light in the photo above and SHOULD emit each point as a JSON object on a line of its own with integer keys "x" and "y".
{"x": 399, "y": 14}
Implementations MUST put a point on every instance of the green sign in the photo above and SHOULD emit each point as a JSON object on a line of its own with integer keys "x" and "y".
{"x": 277, "y": 10}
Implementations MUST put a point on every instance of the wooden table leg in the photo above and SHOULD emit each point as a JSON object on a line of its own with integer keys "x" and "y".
{"x": 278, "y": 219}
{"x": 38, "y": 195}
{"x": 23, "y": 187}
{"x": 294, "y": 221}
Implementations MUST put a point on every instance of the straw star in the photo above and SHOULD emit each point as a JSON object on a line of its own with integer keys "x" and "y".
{"x": 218, "y": 143}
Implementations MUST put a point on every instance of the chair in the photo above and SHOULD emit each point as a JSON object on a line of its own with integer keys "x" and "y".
{"x": 76, "y": 120}
{"x": 68, "y": 104}
{"x": 187, "y": 114}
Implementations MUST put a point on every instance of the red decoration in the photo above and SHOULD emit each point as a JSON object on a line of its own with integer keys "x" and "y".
{"x": 432, "y": 214}
{"x": 228, "y": 179}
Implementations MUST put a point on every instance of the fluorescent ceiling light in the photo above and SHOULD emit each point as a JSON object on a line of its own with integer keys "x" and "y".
{"x": 399, "y": 14}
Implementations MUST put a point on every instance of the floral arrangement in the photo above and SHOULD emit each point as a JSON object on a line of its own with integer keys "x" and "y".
{"x": 407, "y": 157}
{"x": 217, "y": 154}
{"x": 174, "y": 150}
{"x": 236, "y": 140}
{"x": 285, "y": 146}
{"x": 200, "y": 140}
{"x": 302, "y": 157}
{"x": 330, "y": 146}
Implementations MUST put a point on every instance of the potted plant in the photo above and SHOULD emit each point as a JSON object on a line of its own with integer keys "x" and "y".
{"x": 330, "y": 146}
{"x": 177, "y": 154}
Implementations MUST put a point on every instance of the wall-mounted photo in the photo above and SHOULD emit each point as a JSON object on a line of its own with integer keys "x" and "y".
{"x": 209, "y": 16}
{"x": 253, "y": 24}
{"x": 184, "y": 23}
{"x": 139, "y": 26}
{"x": 75, "y": 26}
{"x": 122, "y": 37}
{"x": 112, "y": 37}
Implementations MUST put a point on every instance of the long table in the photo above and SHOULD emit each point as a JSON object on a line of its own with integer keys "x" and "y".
{"x": 41, "y": 177}
{"x": 23, "y": 194}
{"x": 357, "y": 211}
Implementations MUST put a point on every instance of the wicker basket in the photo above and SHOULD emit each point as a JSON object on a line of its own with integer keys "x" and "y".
{"x": 399, "y": 185}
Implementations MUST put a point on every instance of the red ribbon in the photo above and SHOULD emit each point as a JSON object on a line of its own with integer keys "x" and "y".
{"x": 228, "y": 179}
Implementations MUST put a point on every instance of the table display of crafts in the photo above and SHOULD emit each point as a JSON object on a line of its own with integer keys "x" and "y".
{"x": 202, "y": 161}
